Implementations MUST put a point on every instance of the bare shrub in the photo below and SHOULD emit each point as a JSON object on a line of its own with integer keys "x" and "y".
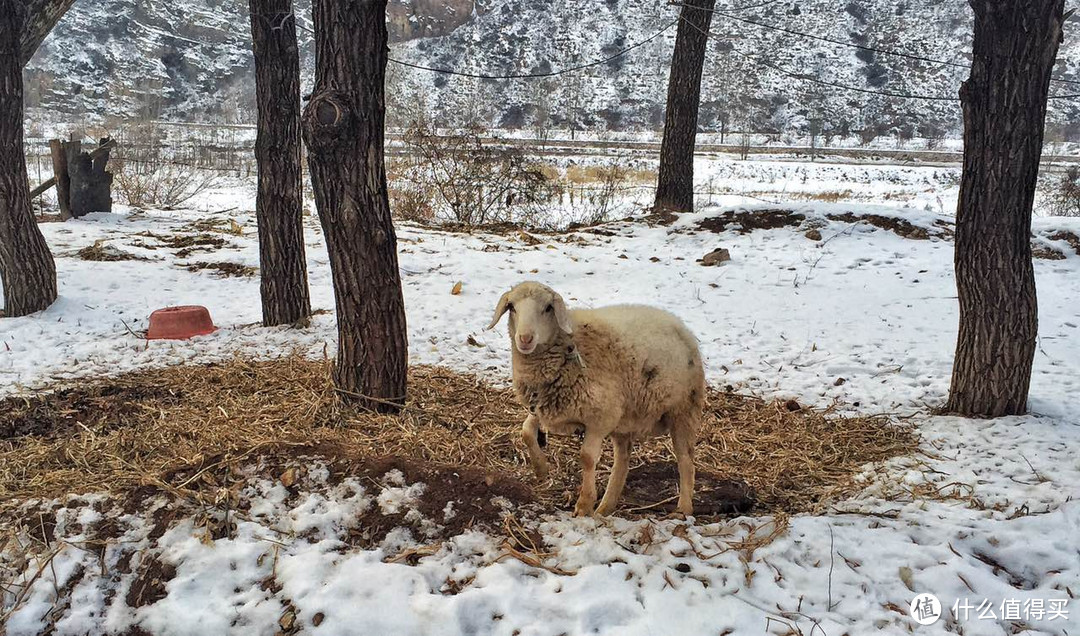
{"x": 468, "y": 178}
{"x": 1063, "y": 194}
{"x": 744, "y": 145}
{"x": 159, "y": 183}
{"x": 610, "y": 184}
{"x": 409, "y": 199}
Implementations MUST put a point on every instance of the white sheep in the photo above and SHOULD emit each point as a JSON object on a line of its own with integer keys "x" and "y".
{"x": 625, "y": 371}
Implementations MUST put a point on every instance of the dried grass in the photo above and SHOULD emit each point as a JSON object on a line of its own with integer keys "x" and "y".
{"x": 144, "y": 428}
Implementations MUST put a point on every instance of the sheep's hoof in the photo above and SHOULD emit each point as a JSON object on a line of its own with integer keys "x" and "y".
{"x": 583, "y": 510}
{"x": 541, "y": 471}
{"x": 604, "y": 511}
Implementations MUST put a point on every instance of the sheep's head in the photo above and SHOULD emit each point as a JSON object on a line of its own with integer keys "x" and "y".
{"x": 537, "y": 315}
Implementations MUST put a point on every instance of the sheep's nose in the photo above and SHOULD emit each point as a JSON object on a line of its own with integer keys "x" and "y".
{"x": 525, "y": 339}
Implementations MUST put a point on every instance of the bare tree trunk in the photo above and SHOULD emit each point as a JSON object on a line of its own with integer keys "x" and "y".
{"x": 26, "y": 266}
{"x": 1004, "y": 103}
{"x": 675, "y": 183}
{"x": 279, "y": 204}
{"x": 343, "y": 129}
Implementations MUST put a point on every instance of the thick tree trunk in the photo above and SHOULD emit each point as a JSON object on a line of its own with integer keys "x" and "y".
{"x": 279, "y": 204}
{"x": 343, "y": 129}
{"x": 1004, "y": 104}
{"x": 675, "y": 182}
{"x": 26, "y": 266}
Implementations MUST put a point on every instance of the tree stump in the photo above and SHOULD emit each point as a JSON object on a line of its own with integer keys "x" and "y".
{"x": 83, "y": 184}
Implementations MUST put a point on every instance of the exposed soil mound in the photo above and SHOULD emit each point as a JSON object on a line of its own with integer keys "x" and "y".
{"x": 750, "y": 220}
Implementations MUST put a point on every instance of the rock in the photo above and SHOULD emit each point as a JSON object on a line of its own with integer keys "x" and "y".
{"x": 839, "y": 381}
{"x": 715, "y": 257}
{"x": 654, "y": 259}
{"x": 317, "y": 619}
{"x": 288, "y": 478}
{"x": 287, "y": 620}
{"x": 813, "y": 234}
{"x": 792, "y": 406}
{"x": 683, "y": 567}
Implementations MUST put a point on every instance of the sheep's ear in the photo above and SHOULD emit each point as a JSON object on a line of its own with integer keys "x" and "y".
{"x": 500, "y": 309}
{"x": 562, "y": 316}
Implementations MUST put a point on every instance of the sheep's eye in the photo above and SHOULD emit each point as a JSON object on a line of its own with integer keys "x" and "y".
{"x": 549, "y": 309}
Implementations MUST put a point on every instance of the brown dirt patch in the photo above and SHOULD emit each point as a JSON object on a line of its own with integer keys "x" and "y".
{"x": 223, "y": 269}
{"x": 714, "y": 494}
{"x": 1067, "y": 236}
{"x": 793, "y": 460}
{"x": 1047, "y": 253}
{"x": 750, "y": 220}
{"x": 898, "y": 226}
{"x": 149, "y": 586}
{"x": 187, "y": 244}
{"x": 98, "y": 408}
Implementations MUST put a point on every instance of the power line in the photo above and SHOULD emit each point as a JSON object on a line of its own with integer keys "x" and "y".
{"x": 822, "y": 38}
{"x": 816, "y": 80}
{"x": 562, "y": 71}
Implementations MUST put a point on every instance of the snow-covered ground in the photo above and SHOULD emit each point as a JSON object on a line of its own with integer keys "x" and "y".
{"x": 786, "y": 317}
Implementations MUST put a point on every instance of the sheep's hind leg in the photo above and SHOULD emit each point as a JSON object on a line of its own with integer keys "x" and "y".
{"x": 529, "y": 434}
{"x": 617, "y": 480}
{"x": 590, "y": 455}
{"x": 683, "y": 438}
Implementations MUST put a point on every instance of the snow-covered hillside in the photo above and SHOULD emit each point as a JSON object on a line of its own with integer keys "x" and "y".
{"x": 190, "y": 59}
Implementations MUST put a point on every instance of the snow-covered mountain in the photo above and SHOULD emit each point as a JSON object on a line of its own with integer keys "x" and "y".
{"x": 191, "y": 60}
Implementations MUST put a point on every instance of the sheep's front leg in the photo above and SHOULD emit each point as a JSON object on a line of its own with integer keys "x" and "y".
{"x": 590, "y": 455}
{"x": 617, "y": 480}
{"x": 529, "y": 434}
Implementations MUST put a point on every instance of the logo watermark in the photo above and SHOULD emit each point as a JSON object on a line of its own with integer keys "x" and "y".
{"x": 925, "y": 609}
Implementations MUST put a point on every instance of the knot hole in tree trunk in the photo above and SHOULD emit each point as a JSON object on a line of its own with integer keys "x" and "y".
{"x": 327, "y": 118}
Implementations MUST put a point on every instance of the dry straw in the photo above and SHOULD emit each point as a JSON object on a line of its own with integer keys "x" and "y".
{"x": 144, "y": 428}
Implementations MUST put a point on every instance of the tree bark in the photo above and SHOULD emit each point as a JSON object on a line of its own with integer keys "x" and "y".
{"x": 279, "y": 203}
{"x": 26, "y": 266}
{"x": 1004, "y": 104}
{"x": 41, "y": 17}
{"x": 343, "y": 129}
{"x": 675, "y": 182}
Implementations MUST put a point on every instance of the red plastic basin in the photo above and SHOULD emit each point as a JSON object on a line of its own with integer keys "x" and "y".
{"x": 180, "y": 323}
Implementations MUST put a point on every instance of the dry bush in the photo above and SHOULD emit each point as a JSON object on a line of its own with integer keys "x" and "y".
{"x": 466, "y": 178}
{"x": 1063, "y": 194}
{"x": 160, "y": 184}
{"x": 593, "y": 193}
